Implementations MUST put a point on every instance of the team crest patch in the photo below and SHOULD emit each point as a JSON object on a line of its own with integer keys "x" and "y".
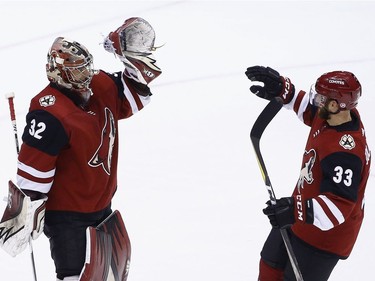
{"x": 347, "y": 142}
{"x": 47, "y": 100}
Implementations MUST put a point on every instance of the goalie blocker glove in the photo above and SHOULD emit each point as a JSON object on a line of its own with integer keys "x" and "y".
{"x": 274, "y": 85}
{"x": 22, "y": 218}
{"x": 288, "y": 210}
{"x": 133, "y": 43}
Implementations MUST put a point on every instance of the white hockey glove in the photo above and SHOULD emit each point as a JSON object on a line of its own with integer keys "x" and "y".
{"x": 133, "y": 43}
{"x": 22, "y": 218}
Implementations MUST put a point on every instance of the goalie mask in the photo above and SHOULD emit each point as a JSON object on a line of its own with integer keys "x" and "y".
{"x": 133, "y": 43}
{"x": 70, "y": 65}
{"x": 341, "y": 86}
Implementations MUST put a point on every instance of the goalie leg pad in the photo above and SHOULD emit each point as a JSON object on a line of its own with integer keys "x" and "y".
{"x": 121, "y": 249}
{"x": 98, "y": 255}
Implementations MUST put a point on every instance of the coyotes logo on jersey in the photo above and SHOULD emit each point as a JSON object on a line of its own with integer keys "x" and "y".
{"x": 103, "y": 155}
{"x": 306, "y": 174}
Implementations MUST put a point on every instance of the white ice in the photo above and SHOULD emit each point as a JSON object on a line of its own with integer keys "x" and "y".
{"x": 190, "y": 189}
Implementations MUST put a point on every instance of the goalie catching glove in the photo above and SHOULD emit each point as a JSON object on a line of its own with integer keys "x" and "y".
{"x": 274, "y": 85}
{"x": 22, "y": 218}
{"x": 133, "y": 43}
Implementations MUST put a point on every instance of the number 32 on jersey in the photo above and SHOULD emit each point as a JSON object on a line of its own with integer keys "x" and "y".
{"x": 36, "y": 129}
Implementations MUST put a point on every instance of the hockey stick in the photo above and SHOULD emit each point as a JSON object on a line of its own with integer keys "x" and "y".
{"x": 10, "y": 97}
{"x": 265, "y": 117}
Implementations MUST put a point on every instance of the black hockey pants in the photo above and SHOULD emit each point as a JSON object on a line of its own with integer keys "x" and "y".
{"x": 67, "y": 236}
{"x": 315, "y": 265}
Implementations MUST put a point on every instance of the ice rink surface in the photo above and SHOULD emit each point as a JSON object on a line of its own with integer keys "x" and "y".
{"x": 190, "y": 189}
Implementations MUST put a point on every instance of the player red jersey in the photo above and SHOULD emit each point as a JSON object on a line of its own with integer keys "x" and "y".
{"x": 82, "y": 142}
{"x": 334, "y": 172}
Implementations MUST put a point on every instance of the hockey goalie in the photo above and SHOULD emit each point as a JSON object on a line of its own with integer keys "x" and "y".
{"x": 70, "y": 155}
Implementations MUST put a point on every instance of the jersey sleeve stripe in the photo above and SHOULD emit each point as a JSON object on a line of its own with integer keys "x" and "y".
{"x": 32, "y": 185}
{"x": 131, "y": 100}
{"x": 333, "y": 208}
{"x": 303, "y": 103}
{"x": 137, "y": 102}
{"x": 326, "y": 213}
{"x": 299, "y": 104}
{"x": 34, "y": 172}
{"x": 291, "y": 104}
{"x": 321, "y": 220}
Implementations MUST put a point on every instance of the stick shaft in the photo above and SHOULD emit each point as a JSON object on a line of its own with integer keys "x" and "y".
{"x": 265, "y": 117}
{"x": 14, "y": 122}
{"x": 12, "y": 112}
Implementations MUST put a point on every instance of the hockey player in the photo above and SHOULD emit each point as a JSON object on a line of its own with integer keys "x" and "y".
{"x": 325, "y": 212}
{"x": 70, "y": 153}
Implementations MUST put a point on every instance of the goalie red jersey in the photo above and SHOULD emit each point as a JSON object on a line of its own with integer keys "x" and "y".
{"x": 67, "y": 168}
{"x": 80, "y": 143}
{"x": 334, "y": 172}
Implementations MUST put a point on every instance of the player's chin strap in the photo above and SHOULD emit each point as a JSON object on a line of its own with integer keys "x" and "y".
{"x": 107, "y": 251}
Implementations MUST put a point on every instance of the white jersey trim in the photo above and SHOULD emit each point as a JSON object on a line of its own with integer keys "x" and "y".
{"x": 290, "y": 105}
{"x": 34, "y": 172}
{"x": 303, "y": 105}
{"x": 321, "y": 220}
{"x": 24, "y": 183}
{"x": 335, "y": 211}
{"x": 130, "y": 98}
